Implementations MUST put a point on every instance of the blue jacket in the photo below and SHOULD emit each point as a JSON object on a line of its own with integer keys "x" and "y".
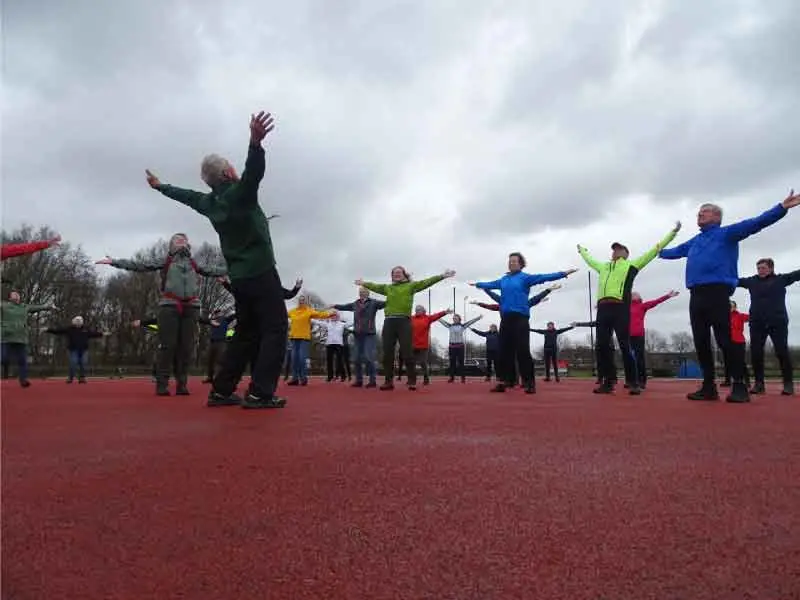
{"x": 492, "y": 339}
{"x": 712, "y": 256}
{"x": 515, "y": 289}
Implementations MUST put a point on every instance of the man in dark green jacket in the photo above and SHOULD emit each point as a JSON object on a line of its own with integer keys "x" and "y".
{"x": 14, "y": 333}
{"x": 614, "y": 308}
{"x": 179, "y": 309}
{"x": 233, "y": 210}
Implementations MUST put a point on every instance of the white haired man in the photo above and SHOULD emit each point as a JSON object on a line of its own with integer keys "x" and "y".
{"x": 244, "y": 237}
{"x": 78, "y": 336}
{"x": 712, "y": 274}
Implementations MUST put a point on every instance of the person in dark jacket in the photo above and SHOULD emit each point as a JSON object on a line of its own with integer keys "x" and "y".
{"x": 712, "y": 275}
{"x": 219, "y": 322}
{"x": 769, "y": 318}
{"x": 551, "y": 348}
{"x": 14, "y": 333}
{"x": 78, "y": 336}
{"x": 492, "y": 337}
{"x": 179, "y": 308}
{"x": 364, "y": 310}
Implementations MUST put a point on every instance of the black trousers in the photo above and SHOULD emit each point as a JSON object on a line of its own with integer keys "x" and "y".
{"x": 710, "y": 310}
{"x": 177, "y": 336}
{"x": 778, "y": 332}
{"x": 491, "y": 362}
{"x": 614, "y": 318}
{"x": 346, "y": 360}
{"x": 397, "y": 332}
{"x": 287, "y": 363}
{"x": 421, "y": 359}
{"x": 215, "y": 351}
{"x": 738, "y": 352}
{"x": 639, "y": 357}
{"x": 551, "y": 358}
{"x": 515, "y": 346}
{"x": 456, "y": 356}
{"x": 335, "y": 361}
{"x": 260, "y": 340}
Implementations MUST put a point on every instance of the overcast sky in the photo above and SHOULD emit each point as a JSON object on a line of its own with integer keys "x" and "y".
{"x": 428, "y": 134}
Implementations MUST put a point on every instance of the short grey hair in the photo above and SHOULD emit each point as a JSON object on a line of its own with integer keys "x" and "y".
{"x": 212, "y": 169}
{"x": 713, "y": 208}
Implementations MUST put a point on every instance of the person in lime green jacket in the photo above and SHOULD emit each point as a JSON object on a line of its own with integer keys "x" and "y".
{"x": 397, "y": 319}
{"x": 616, "y": 278}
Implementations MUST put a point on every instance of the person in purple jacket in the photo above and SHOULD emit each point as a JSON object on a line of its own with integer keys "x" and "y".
{"x": 712, "y": 258}
{"x": 515, "y": 314}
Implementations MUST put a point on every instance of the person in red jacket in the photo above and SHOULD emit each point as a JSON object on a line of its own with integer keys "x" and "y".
{"x": 13, "y": 250}
{"x": 739, "y": 343}
{"x": 639, "y": 310}
{"x": 420, "y": 337}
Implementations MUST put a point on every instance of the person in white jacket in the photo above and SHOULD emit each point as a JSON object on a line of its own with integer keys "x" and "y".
{"x": 334, "y": 347}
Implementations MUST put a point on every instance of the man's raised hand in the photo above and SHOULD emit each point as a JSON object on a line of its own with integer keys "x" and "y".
{"x": 260, "y": 125}
{"x": 791, "y": 200}
{"x": 152, "y": 180}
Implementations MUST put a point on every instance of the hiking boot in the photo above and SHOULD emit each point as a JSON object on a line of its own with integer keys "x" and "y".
{"x": 217, "y": 399}
{"x": 788, "y": 389}
{"x": 738, "y": 393}
{"x": 253, "y": 402}
{"x": 706, "y": 392}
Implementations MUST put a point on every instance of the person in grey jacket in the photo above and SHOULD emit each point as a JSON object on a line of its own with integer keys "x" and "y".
{"x": 364, "y": 310}
{"x": 179, "y": 308}
{"x": 455, "y": 346}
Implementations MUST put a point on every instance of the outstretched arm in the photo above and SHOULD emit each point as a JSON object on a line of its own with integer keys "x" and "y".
{"x": 539, "y": 331}
{"x": 212, "y": 271}
{"x": 289, "y": 294}
{"x": 56, "y": 330}
{"x": 676, "y": 252}
{"x": 418, "y": 286}
{"x": 256, "y": 164}
{"x": 591, "y": 262}
{"x": 741, "y": 230}
{"x": 538, "y": 298}
{"x": 378, "y": 288}
{"x": 653, "y": 303}
{"x": 13, "y": 250}
{"x": 584, "y": 323}
{"x": 537, "y": 278}
{"x": 564, "y": 329}
{"x": 494, "y": 307}
{"x": 472, "y": 321}
{"x": 494, "y": 296}
{"x": 483, "y": 334}
{"x": 790, "y": 278}
{"x": 746, "y": 282}
{"x": 642, "y": 261}
{"x": 350, "y": 307}
{"x": 132, "y": 265}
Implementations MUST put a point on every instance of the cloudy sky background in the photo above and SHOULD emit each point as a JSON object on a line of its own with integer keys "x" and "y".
{"x": 432, "y": 135}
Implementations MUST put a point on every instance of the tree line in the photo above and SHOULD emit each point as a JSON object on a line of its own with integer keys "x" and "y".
{"x": 110, "y": 300}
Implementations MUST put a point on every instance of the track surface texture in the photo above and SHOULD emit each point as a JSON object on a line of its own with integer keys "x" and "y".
{"x": 447, "y": 493}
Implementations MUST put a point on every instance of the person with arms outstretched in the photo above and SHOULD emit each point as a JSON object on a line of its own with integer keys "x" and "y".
{"x": 551, "y": 348}
{"x": 515, "y": 313}
{"x": 456, "y": 347}
{"x": 639, "y": 310}
{"x": 78, "y": 336}
{"x": 364, "y": 310}
{"x": 615, "y": 281}
{"x": 712, "y": 275}
{"x": 14, "y": 333}
{"x": 421, "y": 338}
{"x": 738, "y": 343}
{"x": 769, "y": 318}
{"x": 232, "y": 208}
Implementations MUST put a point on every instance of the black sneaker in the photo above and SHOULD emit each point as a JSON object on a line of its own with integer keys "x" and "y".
{"x": 253, "y": 402}
{"x": 357, "y": 384}
{"x": 216, "y": 399}
{"x": 603, "y": 388}
{"x": 499, "y": 388}
{"x": 162, "y": 390}
{"x": 293, "y": 382}
{"x": 738, "y": 393}
{"x": 371, "y": 384}
{"x": 81, "y": 379}
{"x": 706, "y": 392}
{"x": 182, "y": 390}
{"x": 758, "y": 388}
{"x": 788, "y": 389}
{"x": 387, "y": 386}
{"x": 25, "y": 383}
{"x": 634, "y": 390}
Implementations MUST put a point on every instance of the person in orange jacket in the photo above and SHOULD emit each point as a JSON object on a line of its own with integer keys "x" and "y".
{"x": 738, "y": 343}
{"x": 420, "y": 337}
{"x": 300, "y": 337}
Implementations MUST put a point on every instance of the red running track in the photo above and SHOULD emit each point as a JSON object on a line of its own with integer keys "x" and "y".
{"x": 451, "y": 492}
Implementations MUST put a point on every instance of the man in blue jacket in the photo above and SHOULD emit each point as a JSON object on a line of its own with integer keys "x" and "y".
{"x": 712, "y": 258}
{"x": 769, "y": 317}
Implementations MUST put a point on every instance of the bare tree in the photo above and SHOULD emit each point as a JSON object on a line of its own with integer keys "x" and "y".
{"x": 655, "y": 341}
{"x": 681, "y": 342}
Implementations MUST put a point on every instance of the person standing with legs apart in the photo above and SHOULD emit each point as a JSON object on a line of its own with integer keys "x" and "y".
{"x": 515, "y": 313}
{"x": 551, "y": 348}
{"x": 712, "y": 275}
{"x": 492, "y": 337}
{"x": 397, "y": 323}
{"x": 78, "y": 337}
{"x": 364, "y": 310}
{"x": 639, "y": 310}
{"x": 179, "y": 308}
{"x": 14, "y": 333}
{"x": 421, "y": 338}
{"x": 769, "y": 318}
{"x": 616, "y": 279}
{"x": 244, "y": 237}
{"x": 738, "y": 344}
{"x": 334, "y": 342}
{"x": 300, "y": 318}
{"x": 455, "y": 346}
